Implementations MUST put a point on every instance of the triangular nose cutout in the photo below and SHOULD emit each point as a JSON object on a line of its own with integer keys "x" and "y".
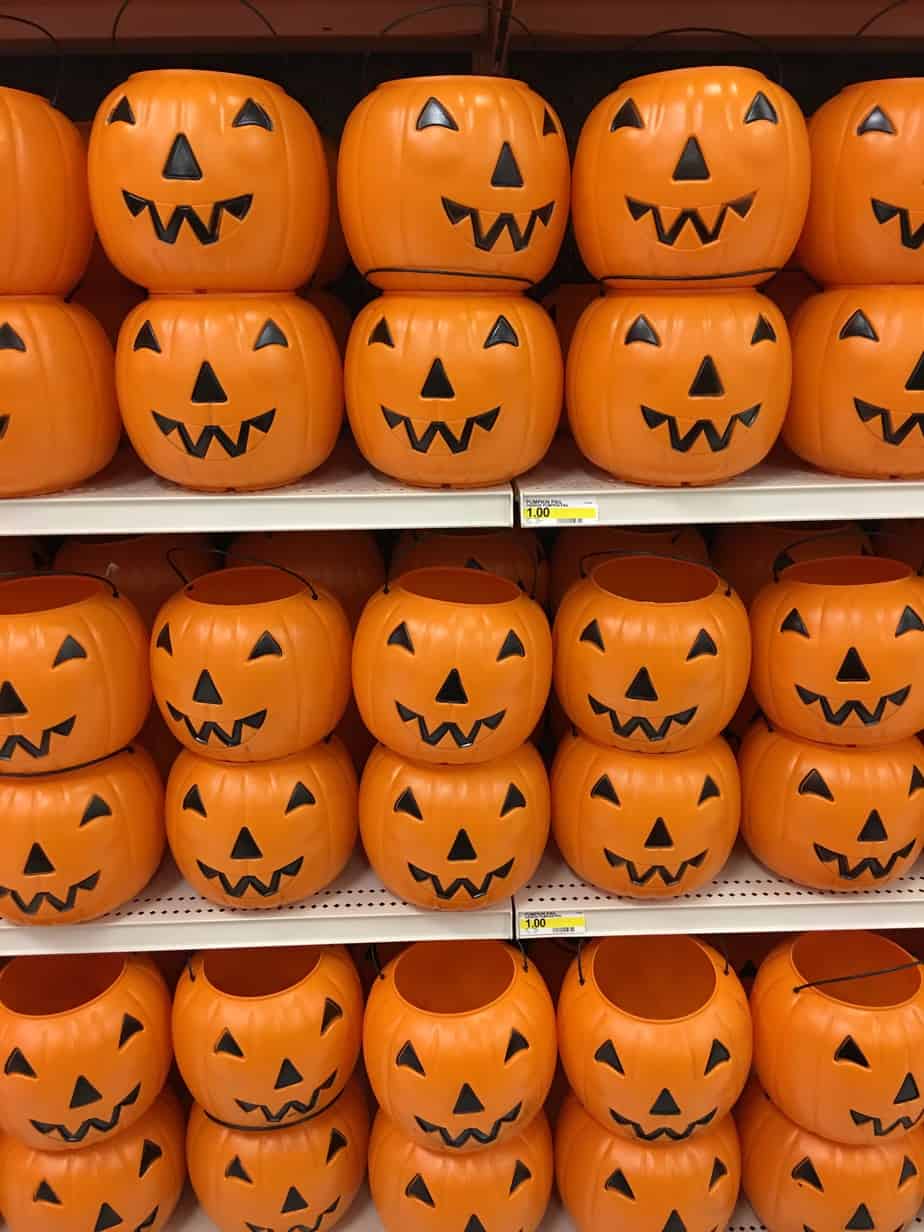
{"x": 37, "y": 862}
{"x": 907, "y": 1091}
{"x": 245, "y": 847}
{"x": 674, "y": 1223}
{"x": 84, "y": 1093}
{"x": 861, "y": 1220}
{"x": 665, "y": 1105}
{"x": 462, "y": 848}
{"x": 452, "y": 691}
{"x": 506, "y": 173}
{"x": 641, "y": 689}
{"x": 288, "y": 1075}
{"x": 707, "y": 383}
{"x": 853, "y": 669}
{"x": 437, "y": 383}
{"x": 659, "y": 835}
{"x": 915, "y": 382}
{"x": 691, "y": 165}
{"x": 10, "y": 701}
{"x": 873, "y": 830}
{"x": 474, "y": 1224}
{"x": 181, "y": 162}
{"x": 208, "y": 387}
{"x": 206, "y": 690}
{"x": 468, "y": 1102}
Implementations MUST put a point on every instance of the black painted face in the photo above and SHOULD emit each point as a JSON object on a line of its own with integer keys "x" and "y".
{"x": 878, "y": 858}
{"x": 418, "y": 1191}
{"x": 46, "y": 1197}
{"x": 876, "y": 125}
{"x": 10, "y": 340}
{"x": 808, "y": 1176}
{"x": 886, "y": 425}
{"x": 622, "y": 1183}
{"x": 13, "y": 705}
{"x": 292, "y": 1200}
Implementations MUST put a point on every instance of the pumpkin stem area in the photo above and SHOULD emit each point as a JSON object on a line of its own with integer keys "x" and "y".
{"x": 459, "y": 586}
{"x": 655, "y": 978}
{"x": 245, "y": 585}
{"x": 259, "y": 973}
{"x": 655, "y": 579}
{"x": 825, "y": 956}
{"x": 19, "y": 596}
{"x": 434, "y": 977}
{"x": 57, "y": 983}
{"x": 847, "y": 571}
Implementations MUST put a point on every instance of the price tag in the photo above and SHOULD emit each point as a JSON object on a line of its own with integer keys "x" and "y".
{"x": 552, "y": 924}
{"x": 558, "y": 510}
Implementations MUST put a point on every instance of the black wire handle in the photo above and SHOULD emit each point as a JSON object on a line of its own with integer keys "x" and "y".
{"x": 726, "y": 32}
{"x": 31, "y": 573}
{"x": 582, "y": 979}
{"x": 373, "y": 951}
{"x": 886, "y": 8}
{"x": 783, "y": 561}
{"x": 522, "y": 948}
{"x": 229, "y": 555}
{"x": 246, "y": 4}
{"x": 59, "y": 53}
{"x": 860, "y": 975}
{"x": 686, "y": 560}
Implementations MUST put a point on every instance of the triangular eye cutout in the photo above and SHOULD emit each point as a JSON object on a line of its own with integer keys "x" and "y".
{"x": 299, "y": 798}
{"x": 9, "y": 339}
{"x": 122, "y": 112}
{"x": 718, "y": 1171}
{"x": 45, "y": 1193}
{"x": 16, "y": 1063}
{"x": 763, "y": 331}
{"x": 520, "y": 1174}
{"x": 548, "y": 123}
{"x": 514, "y": 799}
{"x": 703, "y": 645}
{"x": 381, "y": 333}
{"x": 908, "y": 1171}
{"x": 400, "y": 636}
{"x": 858, "y": 325}
{"x": 642, "y": 330}
{"x": 627, "y": 116}
{"x": 407, "y": 803}
{"x": 761, "y": 109}
{"x": 417, "y": 1188}
{"x": 917, "y": 781}
{"x": 294, "y": 1202}
{"x": 265, "y": 645}
{"x": 606, "y": 1054}
{"x": 150, "y": 1154}
{"x": 512, "y": 647}
{"x": 805, "y": 1171}
{"x": 332, "y": 1011}
{"x": 336, "y": 1145}
{"x": 146, "y": 339}
{"x": 909, "y": 622}
{"x": 236, "y": 1171}
{"x": 710, "y": 790}
{"x": 69, "y": 649}
{"x": 814, "y": 785}
{"x": 434, "y": 114}
{"x": 270, "y": 335}
{"x": 876, "y": 122}
{"x": 516, "y": 1043}
{"x": 252, "y": 115}
{"x": 193, "y": 801}
{"x": 502, "y": 334}
{"x": 96, "y": 807}
{"x": 407, "y": 1058}
{"x": 228, "y": 1045}
{"x": 107, "y": 1218}
{"x": 617, "y": 1181}
{"x": 591, "y": 633}
{"x": 718, "y": 1055}
{"x": 130, "y": 1027}
{"x": 603, "y": 789}
{"x": 849, "y": 1050}
{"x": 793, "y": 623}
{"x": 164, "y": 641}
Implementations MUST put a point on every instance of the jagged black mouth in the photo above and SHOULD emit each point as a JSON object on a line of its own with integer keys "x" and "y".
{"x": 97, "y": 1123}
{"x": 478, "y": 1135}
{"x": 238, "y": 888}
{"x": 301, "y": 1109}
{"x": 32, "y": 906}
{"x": 891, "y": 434}
{"x": 668, "y": 236}
{"x": 230, "y": 739}
{"x": 471, "y": 888}
{"x": 683, "y": 442}
{"x": 838, "y": 716}
{"x": 884, "y": 211}
{"x": 206, "y": 233}
{"x": 485, "y": 240}
{"x": 42, "y": 749}
{"x": 879, "y": 1129}
{"x": 639, "y": 722}
{"x": 459, "y": 442}
{"x": 463, "y": 739}
{"x": 4, "y": 424}
{"x": 149, "y": 1221}
{"x": 654, "y": 870}
{"x": 198, "y": 446}
{"x": 298, "y": 1227}
{"x": 663, "y": 1131}
{"x": 870, "y": 864}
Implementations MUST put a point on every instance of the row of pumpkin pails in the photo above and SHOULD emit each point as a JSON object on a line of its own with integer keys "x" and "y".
{"x": 451, "y": 672}
{"x": 696, "y": 180}
{"x": 461, "y": 1042}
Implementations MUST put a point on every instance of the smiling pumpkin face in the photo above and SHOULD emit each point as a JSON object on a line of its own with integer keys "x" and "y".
{"x": 674, "y": 389}
{"x": 691, "y": 176}
{"x": 208, "y": 181}
{"x": 485, "y": 165}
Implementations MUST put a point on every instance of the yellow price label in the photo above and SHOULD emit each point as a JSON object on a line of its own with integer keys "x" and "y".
{"x": 558, "y": 511}
{"x": 552, "y": 924}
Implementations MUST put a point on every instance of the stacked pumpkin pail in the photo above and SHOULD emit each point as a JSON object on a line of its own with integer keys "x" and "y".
{"x": 453, "y": 377}
{"x": 226, "y": 379}
{"x": 681, "y": 373}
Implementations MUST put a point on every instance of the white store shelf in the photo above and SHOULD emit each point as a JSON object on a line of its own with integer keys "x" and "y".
{"x": 745, "y": 897}
{"x": 781, "y": 489}
{"x": 344, "y": 494}
{"x": 170, "y": 915}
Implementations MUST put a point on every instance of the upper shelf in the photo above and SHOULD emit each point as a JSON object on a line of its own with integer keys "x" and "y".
{"x": 344, "y": 494}
{"x": 781, "y": 489}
